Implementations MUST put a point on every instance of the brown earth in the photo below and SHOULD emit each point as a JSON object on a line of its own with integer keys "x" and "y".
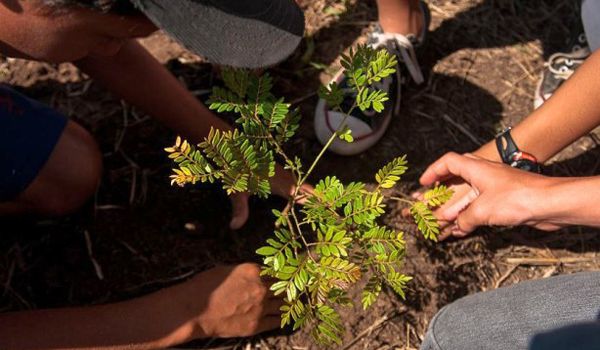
{"x": 483, "y": 59}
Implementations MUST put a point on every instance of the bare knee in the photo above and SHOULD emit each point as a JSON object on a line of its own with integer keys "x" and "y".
{"x": 70, "y": 176}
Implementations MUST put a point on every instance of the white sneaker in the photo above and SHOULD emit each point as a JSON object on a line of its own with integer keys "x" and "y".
{"x": 369, "y": 126}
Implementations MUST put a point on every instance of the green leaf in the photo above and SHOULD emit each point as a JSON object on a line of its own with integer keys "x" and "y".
{"x": 387, "y": 176}
{"x": 437, "y": 196}
{"x": 398, "y": 282}
{"x": 266, "y": 251}
{"x": 236, "y": 80}
{"x": 332, "y": 94}
{"x": 371, "y": 292}
{"x": 426, "y": 221}
{"x": 346, "y": 135}
{"x": 372, "y": 98}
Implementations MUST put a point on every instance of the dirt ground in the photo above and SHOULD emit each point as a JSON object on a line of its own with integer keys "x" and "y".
{"x": 482, "y": 59}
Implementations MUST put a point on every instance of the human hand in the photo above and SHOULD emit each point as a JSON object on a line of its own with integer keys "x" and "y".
{"x": 231, "y": 301}
{"x": 497, "y": 194}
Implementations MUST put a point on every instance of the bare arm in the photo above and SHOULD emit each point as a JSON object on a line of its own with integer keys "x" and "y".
{"x": 154, "y": 321}
{"x": 221, "y": 302}
{"x": 570, "y": 113}
{"x": 141, "y": 80}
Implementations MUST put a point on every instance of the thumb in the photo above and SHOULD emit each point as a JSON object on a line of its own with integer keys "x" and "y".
{"x": 468, "y": 220}
{"x": 239, "y": 210}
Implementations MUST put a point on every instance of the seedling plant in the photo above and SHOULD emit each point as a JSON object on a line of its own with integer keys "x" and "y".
{"x": 328, "y": 245}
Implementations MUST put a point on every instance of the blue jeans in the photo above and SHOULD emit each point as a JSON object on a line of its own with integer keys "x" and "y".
{"x": 555, "y": 313}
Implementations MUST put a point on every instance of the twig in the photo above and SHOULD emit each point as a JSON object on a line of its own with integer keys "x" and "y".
{"x": 505, "y": 276}
{"x": 371, "y": 328}
{"x": 302, "y": 98}
{"x": 133, "y": 186}
{"x": 550, "y": 271}
{"x": 522, "y": 66}
{"x": 109, "y": 207}
{"x": 407, "y": 336}
{"x": 548, "y": 261}
{"x": 406, "y": 201}
{"x": 8, "y": 281}
{"x": 97, "y": 267}
{"x": 263, "y": 344}
{"x": 121, "y": 137}
{"x": 132, "y": 250}
{"x": 462, "y": 129}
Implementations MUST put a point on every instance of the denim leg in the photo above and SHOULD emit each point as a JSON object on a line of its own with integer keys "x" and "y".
{"x": 508, "y": 318}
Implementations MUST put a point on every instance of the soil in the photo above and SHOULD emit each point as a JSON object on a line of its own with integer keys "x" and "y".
{"x": 482, "y": 58}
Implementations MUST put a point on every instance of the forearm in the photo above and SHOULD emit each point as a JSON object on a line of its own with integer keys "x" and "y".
{"x": 569, "y": 114}
{"x": 569, "y": 201}
{"x": 137, "y": 77}
{"x": 151, "y": 322}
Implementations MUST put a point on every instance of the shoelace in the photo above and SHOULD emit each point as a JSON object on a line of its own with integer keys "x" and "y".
{"x": 402, "y": 46}
{"x": 562, "y": 64}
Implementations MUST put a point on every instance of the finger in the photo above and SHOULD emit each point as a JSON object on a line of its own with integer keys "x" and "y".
{"x": 418, "y": 195}
{"x": 445, "y": 233}
{"x": 458, "y": 233}
{"x": 269, "y": 323}
{"x": 451, "y": 212}
{"x": 469, "y": 219}
{"x": 448, "y": 166}
{"x": 239, "y": 210}
{"x": 443, "y": 223}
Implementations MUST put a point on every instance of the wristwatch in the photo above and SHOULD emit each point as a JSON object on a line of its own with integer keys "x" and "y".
{"x": 513, "y": 156}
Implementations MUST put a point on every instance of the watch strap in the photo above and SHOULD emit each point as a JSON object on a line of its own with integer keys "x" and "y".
{"x": 506, "y": 146}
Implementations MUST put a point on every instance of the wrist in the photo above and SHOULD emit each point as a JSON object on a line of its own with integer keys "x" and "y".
{"x": 191, "y": 298}
{"x": 488, "y": 152}
{"x": 175, "y": 319}
{"x": 570, "y": 201}
{"x": 540, "y": 198}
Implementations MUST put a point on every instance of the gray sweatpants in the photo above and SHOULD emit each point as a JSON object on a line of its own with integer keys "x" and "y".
{"x": 554, "y": 313}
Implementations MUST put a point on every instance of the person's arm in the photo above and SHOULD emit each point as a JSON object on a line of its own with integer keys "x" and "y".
{"x": 505, "y": 196}
{"x": 137, "y": 77}
{"x": 571, "y": 112}
{"x": 222, "y": 302}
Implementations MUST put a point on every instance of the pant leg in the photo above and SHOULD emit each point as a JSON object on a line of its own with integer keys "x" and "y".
{"x": 590, "y": 16}
{"x": 508, "y": 318}
{"x": 579, "y": 336}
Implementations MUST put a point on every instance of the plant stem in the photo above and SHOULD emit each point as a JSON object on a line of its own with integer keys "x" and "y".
{"x": 403, "y": 200}
{"x": 293, "y": 212}
{"x": 314, "y": 163}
